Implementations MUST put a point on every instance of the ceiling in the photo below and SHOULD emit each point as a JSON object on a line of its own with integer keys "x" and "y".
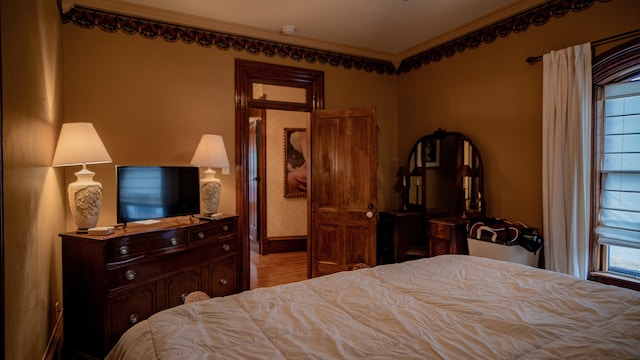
{"x": 383, "y": 29}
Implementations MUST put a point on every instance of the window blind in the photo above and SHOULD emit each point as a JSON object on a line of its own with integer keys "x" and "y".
{"x": 619, "y": 218}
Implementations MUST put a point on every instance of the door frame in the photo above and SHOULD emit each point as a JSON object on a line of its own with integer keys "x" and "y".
{"x": 246, "y": 74}
{"x": 2, "y": 280}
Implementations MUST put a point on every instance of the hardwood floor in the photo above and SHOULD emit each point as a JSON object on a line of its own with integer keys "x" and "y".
{"x": 277, "y": 268}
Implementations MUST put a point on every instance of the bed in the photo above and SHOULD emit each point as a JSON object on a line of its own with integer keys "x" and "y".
{"x": 445, "y": 307}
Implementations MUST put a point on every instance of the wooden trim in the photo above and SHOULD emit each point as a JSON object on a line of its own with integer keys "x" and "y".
{"x": 516, "y": 23}
{"x": 2, "y": 295}
{"x": 617, "y": 280}
{"x": 242, "y": 164}
{"x": 259, "y": 245}
{"x": 247, "y": 72}
{"x": 113, "y": 21}
{"x": 281, "y": 244}
{"x": 54, "y": 347}
{"x": 615, "y": 65}
{"x": 595, "y": 253}
{"x": 119, "y": 20}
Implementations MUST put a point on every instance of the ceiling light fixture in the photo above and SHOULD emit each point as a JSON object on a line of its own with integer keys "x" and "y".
{"x": 288, "y": 29}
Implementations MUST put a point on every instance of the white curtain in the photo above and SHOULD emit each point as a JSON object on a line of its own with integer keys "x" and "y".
{"x": 566, "y": 159}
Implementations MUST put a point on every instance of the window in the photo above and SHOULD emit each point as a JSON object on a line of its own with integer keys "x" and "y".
{"x": 619, "y": 217}
{"x": 615, "y": 246}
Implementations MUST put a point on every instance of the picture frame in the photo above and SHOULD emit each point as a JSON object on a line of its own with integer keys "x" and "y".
{"x": 427, "y": 153}
{"x": 432, "y": 152}
{"x": 295, "y": 146}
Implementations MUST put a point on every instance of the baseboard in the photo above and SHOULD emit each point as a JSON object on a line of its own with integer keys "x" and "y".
{"x": 54, "y": 347}
{"x": 283, "y": 244}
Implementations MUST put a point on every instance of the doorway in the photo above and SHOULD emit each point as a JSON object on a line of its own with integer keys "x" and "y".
{"x": 259, "y": 95}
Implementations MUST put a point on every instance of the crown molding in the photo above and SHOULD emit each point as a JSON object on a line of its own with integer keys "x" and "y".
{"x": 199, "y": 22}
{"x": 516, "y": 23}
{"x": 112, "y": 16}
{"x": 463, "y": 30}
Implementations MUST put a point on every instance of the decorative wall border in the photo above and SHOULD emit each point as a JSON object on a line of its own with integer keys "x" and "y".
{"x": 151, "y": 29}
{"x": 518, "y": 23}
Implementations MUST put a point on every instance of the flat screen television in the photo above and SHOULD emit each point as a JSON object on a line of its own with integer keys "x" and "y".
{"x": 153, "y": 192}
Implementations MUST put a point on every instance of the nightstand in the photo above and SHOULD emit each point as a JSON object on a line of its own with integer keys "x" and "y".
{"x": 399, "y": 233}
{"x": 448, "y": 236}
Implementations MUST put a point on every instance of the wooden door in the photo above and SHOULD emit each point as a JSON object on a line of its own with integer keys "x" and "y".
{"x": 342, "y": 217}
{"x": 254, "y": 184}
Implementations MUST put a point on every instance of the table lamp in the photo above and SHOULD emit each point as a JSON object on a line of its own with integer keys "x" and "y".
{"x": 79, "y": 144}
{"x": 210, "y": 153}
{"x": 464, "y": 175}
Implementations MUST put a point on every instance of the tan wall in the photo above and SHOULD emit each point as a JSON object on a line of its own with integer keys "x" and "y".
{"x": 151, "y": 100}
{"x": 285, "y": 216}
{"x": 33, "y": 192}
{"x": 492, "y": 95}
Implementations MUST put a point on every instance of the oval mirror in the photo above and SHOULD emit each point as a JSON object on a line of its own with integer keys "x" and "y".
{"x": 443, "y": 177}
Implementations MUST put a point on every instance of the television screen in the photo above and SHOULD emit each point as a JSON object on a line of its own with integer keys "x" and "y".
{"x": 153, "y": 192}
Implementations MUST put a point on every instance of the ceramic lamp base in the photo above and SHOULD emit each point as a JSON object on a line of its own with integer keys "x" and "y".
{"x": 85, "y": 199}
{"x": 210, "y": 188}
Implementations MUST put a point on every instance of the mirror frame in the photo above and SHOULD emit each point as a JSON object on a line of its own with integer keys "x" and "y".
{"x": 425, "y": 156}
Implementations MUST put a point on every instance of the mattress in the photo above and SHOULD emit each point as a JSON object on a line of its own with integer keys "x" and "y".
{"x": 445, "y": 307}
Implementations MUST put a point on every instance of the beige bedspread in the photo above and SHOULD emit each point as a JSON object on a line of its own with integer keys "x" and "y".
{"x": 446, "y": 307}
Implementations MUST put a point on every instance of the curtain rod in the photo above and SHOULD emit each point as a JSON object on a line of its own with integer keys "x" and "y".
{"x": 534, "y": 59}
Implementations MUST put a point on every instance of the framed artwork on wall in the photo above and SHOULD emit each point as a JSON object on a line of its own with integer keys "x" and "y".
{"x": 295, "y": 162}
{"x": 432, "y": 152}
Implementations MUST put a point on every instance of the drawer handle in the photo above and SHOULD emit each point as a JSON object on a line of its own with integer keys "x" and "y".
{"x": 200, "y": 235}
{"x": 173, "y": 241}
{"x": 124, "y": 250}
{"x": 225, "y": 227}
{"x": 134, "y": 318}
{"x": 183, "y": 297}
{"x": 440, "y": 247}
{"x": 226, "y": 247}
{"x": 223, "y": 282}
{"x": 130, "y": 275}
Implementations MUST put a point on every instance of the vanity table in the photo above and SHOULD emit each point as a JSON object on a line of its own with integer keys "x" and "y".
{"x": 448, "y": 236}
{"x": 441, "y": 187}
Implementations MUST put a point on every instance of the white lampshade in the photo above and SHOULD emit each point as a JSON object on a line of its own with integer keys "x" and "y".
{"x": 79, "y": 144}
{"x": 210, "y": 153}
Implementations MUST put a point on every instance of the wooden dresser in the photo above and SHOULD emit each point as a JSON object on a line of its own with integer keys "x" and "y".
{"x": 448, "y": 236}
{"x": 112, "y": 282}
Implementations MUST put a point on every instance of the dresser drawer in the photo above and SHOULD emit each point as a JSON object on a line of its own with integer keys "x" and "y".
{"x": 127, "y": 247}
{"x": 128, "y": 309}
{"x": 214, "y": 231}
{"x": 223, "y": 276}
{"x": 178, "y": 286}
{"x": 440, "y": 246}
{"x": 440, "y": 230}
{"x": 139, "y": 271}
{"x": 448, "y": 236}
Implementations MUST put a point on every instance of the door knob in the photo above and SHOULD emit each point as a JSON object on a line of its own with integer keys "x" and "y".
{"x": 370, "y": 213}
